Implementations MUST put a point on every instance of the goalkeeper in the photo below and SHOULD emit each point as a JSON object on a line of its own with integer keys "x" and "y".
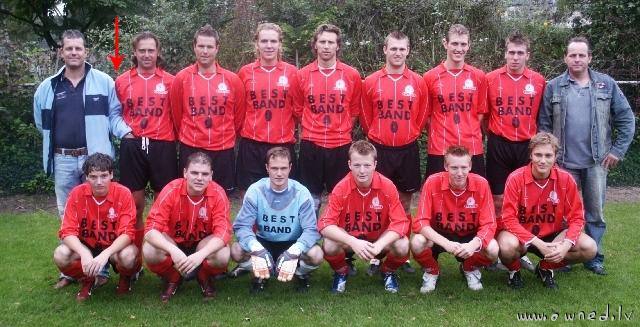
{"x": 277, "y": 221}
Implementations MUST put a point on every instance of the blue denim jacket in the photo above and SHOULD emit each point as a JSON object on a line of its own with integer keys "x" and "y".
{"x": 609, "y": 110}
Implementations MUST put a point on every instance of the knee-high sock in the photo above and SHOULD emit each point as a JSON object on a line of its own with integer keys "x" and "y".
{"x": 337, "y": 262}
{"x": 476, "y": 261}
{"x": 207, "y": 270}
{"x": 393, "y": 262}
{"x": 305, "y": 268}
{"x": 548, "y": 265}
{"x": 139, "y": 238}
{"x": 513, "y": 265}
{"x": 165, "y": 270}
{"x": 74, "y": 270}
{"x": 427, "y": 261}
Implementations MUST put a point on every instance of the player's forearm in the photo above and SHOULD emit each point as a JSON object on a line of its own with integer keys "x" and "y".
{"x": 430, "y": 234}
{"x": 73, "y": 242}
{"x": 118, "y": 244}
{"x": 337, "y": 234}
{"x": 155, "y": 238}
{"x": 214, "y": 244}
{"x": 386, "y": 239}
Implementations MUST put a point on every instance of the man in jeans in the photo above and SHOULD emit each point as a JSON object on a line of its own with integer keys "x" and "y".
{"x": 581, "y": 108}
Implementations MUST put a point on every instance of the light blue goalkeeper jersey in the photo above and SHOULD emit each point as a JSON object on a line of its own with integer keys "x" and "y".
{"x": 278, "y": 216}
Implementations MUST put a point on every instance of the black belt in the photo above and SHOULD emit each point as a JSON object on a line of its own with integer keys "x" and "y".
{"x": 71, "y": 152}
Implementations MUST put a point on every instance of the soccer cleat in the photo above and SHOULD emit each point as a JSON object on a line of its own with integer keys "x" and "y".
{"x": 546, "y": 275}
{"x": 101, "y": 281}
{"x": 598, "y": 270}
{"x": 474, "y": 279}
{"x": 124, "y": 285}
{"x": 258, "y": 285}
{"x": 87, "y": 285}
{"x": 303, "y": 283}
{"x": 406, "y": 267}
{"x": 515, "y": 279}
{"x": 391, "y": 282}
{"x": 239, "y": 270}
{"x": 428, "y": 283}
{"x": 352, "y": 268}
{"x": 169, "y": 290}
{"x": 207, "y": 288}
{"x": 526, "y": 263}
{"x": 339, "y": 283}
{"x": 374, "y": 267}
{"x": 63, "y": 282}
{"x": 498, "y": 265}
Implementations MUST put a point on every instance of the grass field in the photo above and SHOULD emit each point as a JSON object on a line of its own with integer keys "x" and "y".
{"x": 28, "y": 298}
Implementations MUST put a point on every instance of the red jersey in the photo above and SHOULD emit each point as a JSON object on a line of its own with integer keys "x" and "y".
{"x": 457, "y": 101}
{"x": 513, "y": 103}
{"x": 394, "y": 107}
{"x": 462, "y": 213}
{"x": 145, "y": 104}
{"x": 268, "y": 105}
{"x": 97, "y": 223}
{"x": 365, "y": 216}
{"x": 187, "y": 220}
{"x": 327, "y": 102}
{"x": 538, "y": 209}
{"x": 207, "y": 109}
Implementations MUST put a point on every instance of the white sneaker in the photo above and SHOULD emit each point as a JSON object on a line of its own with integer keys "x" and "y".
{"x": 473, "y": 279}
{"x": 526, "y": 263}
{"x": 428, "y": 283}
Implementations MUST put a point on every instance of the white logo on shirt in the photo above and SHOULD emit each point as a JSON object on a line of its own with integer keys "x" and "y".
{"x": 283, "y": 81}
{"x": 340, "y": 85}
{"x": 529, "y": 89}
{"x": 375, "y": 203}
{"x": 468, "y": 85}
{"x": 553, "y": 197}
{"x": 471, "y": 203}
{"x": 223, "y": 88}
{"x": 112, "y": 214}
{"x": 96, "y": 99}
{"x": 160, "y": 89}
{"x": 408, "y": 91}
{"x": 202, "y": 213}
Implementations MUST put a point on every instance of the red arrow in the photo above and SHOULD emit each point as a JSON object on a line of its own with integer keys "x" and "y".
{"x": 116, "y": 60}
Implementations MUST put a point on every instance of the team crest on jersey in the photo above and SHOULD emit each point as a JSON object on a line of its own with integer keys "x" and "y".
{"x": 202, "y": 213}
{"x": 160, "y": 89}
{"x": 468, "y": 85}
{"x": 529, "y": 89}
{"x": 283, "y": 81}
{"x": 375, "y": 203}
{"x": 408, "y": 91}
{"x": 223, "y": 88}
{"x": 112, "y": 214}
{"x": 340, "y": 85}
{"x": 553, "y": 197}
{"x": 471, "y": 203}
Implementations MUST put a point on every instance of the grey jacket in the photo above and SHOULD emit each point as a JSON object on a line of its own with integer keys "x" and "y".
{"x": 609, "y": 110}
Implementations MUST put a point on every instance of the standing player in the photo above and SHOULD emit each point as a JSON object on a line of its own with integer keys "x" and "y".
{"x": 458, "y": 103}
{"x": 269, "y": 84}
{"x": 394, "y": 109}
{"x": 98, "y": 227}
{"x": 282, "y": 211}
{"x": 150, "y": 155}
{"x": 455, "y": 215}
{"x": 514, "y": 93}
{"x": 76, "y": 111}
{"x": 207, "y": 102}
{"x": 188, "y": 229}
{"x": 364, "y": 216}
{"x": 328, "y": 105}
{"x": 542, "y": 214}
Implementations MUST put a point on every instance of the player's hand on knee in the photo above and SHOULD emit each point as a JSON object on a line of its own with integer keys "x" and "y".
{"x": 287, "y": 263}
{"x": 452, "y": 247}
{"x": 190, "y": 263}
{"x": 178, "y": 259}
{"x": 262, "y": 263}
{"x": 363, "y": 249}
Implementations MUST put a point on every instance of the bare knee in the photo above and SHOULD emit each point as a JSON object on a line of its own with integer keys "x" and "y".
{"x": 62, "y": 256}
{"x": 237, "y": 253}
{"x": 220, "y": 258}
{"x": 508, "y": 246}
{"x": 152, "y": 254}
{"x": 127, "y": 256}
{"x": 331, "y": 248}
{"x": 491, "y": 251}
{"x": 418, "y": 243}
{"x": 400, "y": 247}
{"x": 314, "y": 256}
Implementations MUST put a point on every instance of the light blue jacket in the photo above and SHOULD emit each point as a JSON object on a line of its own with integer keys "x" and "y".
{"x": 278, "y": 217}
{"x": 609, "y": 110}
{"x": 102, "y": 114}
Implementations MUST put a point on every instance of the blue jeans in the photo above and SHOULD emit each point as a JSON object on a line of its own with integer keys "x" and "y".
{"x": 592, "y": 183}
{"x": 67, "y": 174}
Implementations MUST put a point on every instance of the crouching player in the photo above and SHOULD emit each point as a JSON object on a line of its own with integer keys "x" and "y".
{"x": 98, "y": 226}
{"x": 283, "y": 212}
{"x": 188, "y": 229}
{"x": 543, "y": 214}
{"x": 364, "y": 216}
{"x": 456, "y": 215}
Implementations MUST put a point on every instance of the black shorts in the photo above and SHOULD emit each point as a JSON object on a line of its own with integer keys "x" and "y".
{"x": 534, "y": 250}
{"x": 321, "y": 167}
{"x": 435, "y": 164}
{"x": 503, "y": 157}
{"x": 157, "y": 163}
{"x": 250, "y": 166}
{"x": 275, "y": 248}
{"x": 223, "y": 163}
{"x": 188, "y": 248}
{"x": 437, "y": 249}
{"x": 401, "y": 165}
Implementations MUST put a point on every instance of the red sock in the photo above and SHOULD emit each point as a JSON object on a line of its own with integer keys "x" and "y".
{"x": 427, "y": 261}
{"x": 74, "y": 270}
{"x": 206, "y": 270}
{"x": 392, "y": 263}
{"x": 128, "y": 272}
{"x": 138, "y": 239}
{"x": 547, "y": 265}
{"x": 476, "y": 261}
{"x": 337, "y": 262}
{"x": 165, "y": 270}
{"x": 513, "y": 265}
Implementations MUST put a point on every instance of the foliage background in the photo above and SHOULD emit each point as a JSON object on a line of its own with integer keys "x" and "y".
{"x": 25, "y": 58}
